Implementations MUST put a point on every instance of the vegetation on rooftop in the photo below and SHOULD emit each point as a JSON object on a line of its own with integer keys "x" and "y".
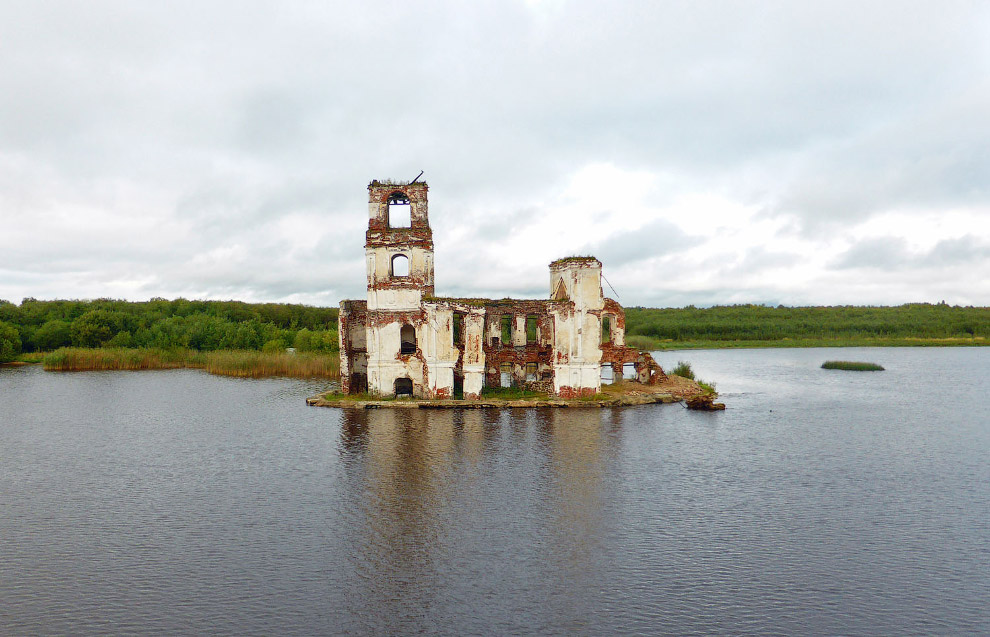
{"x": 394, "y": 182}
{"x": 574, "y": 257}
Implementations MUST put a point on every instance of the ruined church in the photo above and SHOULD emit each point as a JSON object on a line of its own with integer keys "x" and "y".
{"x": 405, "y": 340}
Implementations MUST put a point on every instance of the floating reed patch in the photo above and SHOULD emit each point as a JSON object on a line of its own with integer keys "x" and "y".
{"x": 262, "y": 364}
{"x": 852, "y": 366}
{"x": 241, "y": 363}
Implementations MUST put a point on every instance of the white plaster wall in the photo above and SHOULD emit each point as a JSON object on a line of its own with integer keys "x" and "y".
{"x": 618, "y": 334}
{"x": 519, "y": 330}
{"x": 379, "y": 263}
{"x": 577, "y": 376}
{"x": 583, "y": 284}
{"x": 398, "y": 299}
{"x": 578, "y": 342}
{"x": 474, "y": 379}
{"x": 474, "y": 353}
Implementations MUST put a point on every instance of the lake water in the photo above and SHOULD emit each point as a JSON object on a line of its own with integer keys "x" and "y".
{"x": 819, "y": 502}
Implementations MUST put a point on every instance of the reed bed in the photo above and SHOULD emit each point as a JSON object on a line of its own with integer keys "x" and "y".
{"x": 853, "y": 366}
{"x": 248, "y": 364}
{"x": 240, "y": 363}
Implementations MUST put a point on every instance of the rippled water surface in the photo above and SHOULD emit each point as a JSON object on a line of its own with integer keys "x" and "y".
{"x": 820, "y": 502}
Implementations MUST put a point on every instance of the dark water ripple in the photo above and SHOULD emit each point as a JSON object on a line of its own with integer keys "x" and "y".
{"x": 821, "y": 502}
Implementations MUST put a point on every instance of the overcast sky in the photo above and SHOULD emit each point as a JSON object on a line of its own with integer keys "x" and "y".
{"x": 707, "y": 152}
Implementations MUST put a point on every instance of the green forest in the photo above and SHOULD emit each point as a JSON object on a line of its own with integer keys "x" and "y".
{"x": 43, "y": 326}
{"x": 209, "y": 326}
{"x": 759, "y": 325}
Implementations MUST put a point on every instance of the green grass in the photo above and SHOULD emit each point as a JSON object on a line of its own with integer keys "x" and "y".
{"x": 29, "y": 357}
{"x": 648, "y": 344}
{"x": 511, "y": 393}
{"x": 240, "y": 363}
{"x": 361, "y": 397}
{"x": 852, "y": 366}
{"x": 594, "y": 398}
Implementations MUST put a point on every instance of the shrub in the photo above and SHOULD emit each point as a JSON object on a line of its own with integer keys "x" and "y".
{"x": 10, "y": 342}
{"x": 96, "y": 327}
{"x": 53, "y": 335}
{"x": 683, "y": 370}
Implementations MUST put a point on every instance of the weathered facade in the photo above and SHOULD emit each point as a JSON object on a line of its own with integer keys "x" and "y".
{"x": 405, "y": 340}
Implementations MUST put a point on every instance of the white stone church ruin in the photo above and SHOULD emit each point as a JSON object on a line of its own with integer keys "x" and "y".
{"x": 404, "y": 340}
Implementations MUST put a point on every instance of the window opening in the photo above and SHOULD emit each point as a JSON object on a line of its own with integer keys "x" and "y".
{"x": 531, "y": 329}
{"x": 629, "y": 371}
{"x": 606, "y": 329}
{"x": 531, "y": 369}
{"x": 400, "y": 265}
{"x": 359, "y": 383}
{"x": 458, "y": 328}
{"x": 403, "y": 387}
{"x": 399, "y": 211}
{"x": 507, "y": 329}
{"x": 505, "y": 374}
{"x": 407, "y": 340}
{"x": 608, "y": 374}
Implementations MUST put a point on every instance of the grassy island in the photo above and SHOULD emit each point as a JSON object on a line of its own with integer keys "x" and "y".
{"x": 852, "y": 366}
{"x": 622, "y": 393}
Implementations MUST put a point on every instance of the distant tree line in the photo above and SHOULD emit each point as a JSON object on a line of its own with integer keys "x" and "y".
{"x": 200, "y": 325}
{"x": 220, "y": 325}
{"x": 767, "y": 323}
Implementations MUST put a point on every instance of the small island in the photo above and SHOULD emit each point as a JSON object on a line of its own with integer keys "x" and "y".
{"x": 852, "y": 366}
{"x": 674, "y": 389}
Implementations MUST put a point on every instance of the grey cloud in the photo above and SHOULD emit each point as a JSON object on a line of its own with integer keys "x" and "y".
{"x": 237, "y": 118}
{"x": 968, "y": 249}
{"x": 659, "y": 238}
{"x": 889, "y": 253}
{"x": 762, "y": 259}
{"x": 875, "y": 253}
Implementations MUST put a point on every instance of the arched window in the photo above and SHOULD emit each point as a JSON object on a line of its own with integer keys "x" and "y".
{"x": 506, "y": 329}
{"x": 608, "y": 374}
{"x": 532, "y": 329}
{"x": 458, "y": 328}
{"x": 403, "y": 387}
{"x": 407, "y": 340}
{"x": 505, "y": 374}
{"x": 400, "y": 265}
{"x": 531, "y": 369}
{"x": 399, "y": 211}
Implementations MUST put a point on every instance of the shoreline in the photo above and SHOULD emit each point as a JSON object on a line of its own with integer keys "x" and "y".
{"x": 622, "y": 394}
{"x": 789, "y": 343}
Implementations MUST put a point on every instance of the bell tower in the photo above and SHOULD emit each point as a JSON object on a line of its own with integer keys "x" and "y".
{"x": 399, "y": 246}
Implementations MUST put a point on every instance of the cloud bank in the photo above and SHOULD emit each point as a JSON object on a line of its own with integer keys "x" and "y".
{"x": 707, "y": 152}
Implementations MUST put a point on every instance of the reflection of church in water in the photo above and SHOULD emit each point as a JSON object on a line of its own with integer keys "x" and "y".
{"x": 404, "y": 340}
{"x": 429, "y": 485}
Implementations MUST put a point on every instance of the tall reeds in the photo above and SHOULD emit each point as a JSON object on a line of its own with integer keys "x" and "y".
{"x": 251, "y": 364}
{"x": 241, "y": 363}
